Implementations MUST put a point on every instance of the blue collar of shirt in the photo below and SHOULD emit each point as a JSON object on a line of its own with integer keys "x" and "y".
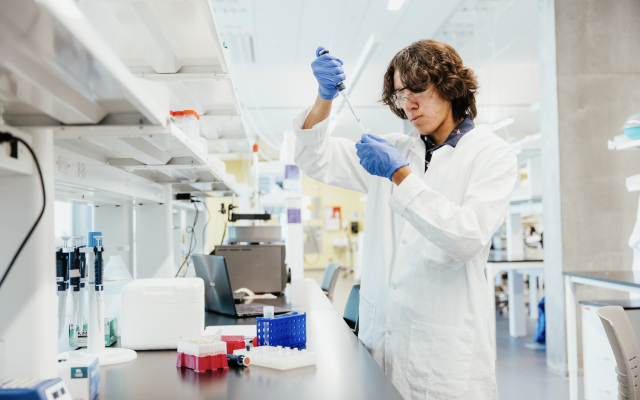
{"x": 454, "y": 137}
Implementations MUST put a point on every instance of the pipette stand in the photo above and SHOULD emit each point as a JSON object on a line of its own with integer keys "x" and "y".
{"x": 95, "y": 334}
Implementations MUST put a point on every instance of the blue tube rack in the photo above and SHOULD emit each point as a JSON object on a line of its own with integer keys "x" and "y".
{"x": 286, "y": 330}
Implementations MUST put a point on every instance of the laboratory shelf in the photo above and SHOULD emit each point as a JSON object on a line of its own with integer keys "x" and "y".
{"x": 176, "y": 43}
{"x": 133, "y": 144}
{"x": 157, "y": 154}
{"x": 633, "y": 183}
{"x": 226, "y": 134}
{"x": 55, "y": 68}
{"x": 104, "y": 249}
{"x": 622, "y": 142}
{"x": 188, "y": 178}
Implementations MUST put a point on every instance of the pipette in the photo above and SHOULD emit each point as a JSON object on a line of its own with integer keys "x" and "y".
{"x": 83, "y": 285}
{"x": 62, "y": 280}
{"x": 341, "y": 87}
{"x": 99, "y": 272}
{"x": 75, "y": 260}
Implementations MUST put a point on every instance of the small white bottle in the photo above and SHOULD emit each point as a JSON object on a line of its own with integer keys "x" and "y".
{"x": 190, "y": 123}
{"x": 179, "y": 119}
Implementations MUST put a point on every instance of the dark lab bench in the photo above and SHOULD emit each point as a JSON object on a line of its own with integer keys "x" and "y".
{"x": 345, "y": 370}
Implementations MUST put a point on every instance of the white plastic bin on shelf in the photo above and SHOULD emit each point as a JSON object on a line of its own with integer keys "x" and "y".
{"x": 156, "y": 313}
{"x": 178, "y": 117}
{"x": 191, "y": 124}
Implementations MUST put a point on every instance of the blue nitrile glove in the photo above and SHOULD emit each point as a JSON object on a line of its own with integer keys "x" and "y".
{"x": 378, "y": 156}
{"x": 328, "y": 72}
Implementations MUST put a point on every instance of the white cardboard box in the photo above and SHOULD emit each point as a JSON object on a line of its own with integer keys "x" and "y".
{"x": 156, "y": 313}
{"x": 82, "y": 376}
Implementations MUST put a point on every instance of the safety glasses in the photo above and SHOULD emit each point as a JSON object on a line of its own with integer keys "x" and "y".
{"x": 400, "y": 96}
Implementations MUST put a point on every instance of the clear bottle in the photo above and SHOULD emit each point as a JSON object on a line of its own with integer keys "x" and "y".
{"x": 631, "y": 126}
{"x": 116, "y": 275}
{"x": 179, "y": 119}
{"x": 190, "y": 124}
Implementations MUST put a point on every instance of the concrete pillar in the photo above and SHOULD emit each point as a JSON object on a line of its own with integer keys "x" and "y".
{"x": 589, "y": 57}
{"x": 515, "y": 237}
{"x": 28, "y": 301}
{"x": 154, "y": 238}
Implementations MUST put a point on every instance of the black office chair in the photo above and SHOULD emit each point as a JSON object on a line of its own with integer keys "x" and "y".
{"x": 352, "y": 309}
{"x": 330, "y": 278}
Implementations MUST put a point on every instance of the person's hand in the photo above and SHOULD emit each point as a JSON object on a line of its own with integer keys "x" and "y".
{"x": 378, "y": 156}
{"x": 328, "y": 72}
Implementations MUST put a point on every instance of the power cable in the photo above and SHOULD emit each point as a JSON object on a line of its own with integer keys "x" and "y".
{"x": 192, "y": 245}
{"x": 13, "y": 140}
{"x": 224, "y": 232}
{"x": 204, "y": 230}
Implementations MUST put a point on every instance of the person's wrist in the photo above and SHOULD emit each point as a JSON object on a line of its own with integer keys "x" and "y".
{"x": 400, "y": 174}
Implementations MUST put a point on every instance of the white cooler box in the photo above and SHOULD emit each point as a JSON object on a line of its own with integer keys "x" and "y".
{"x": 156, "y": 313}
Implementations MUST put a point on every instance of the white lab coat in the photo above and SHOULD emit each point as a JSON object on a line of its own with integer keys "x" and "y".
{"x": 424, "y": 301}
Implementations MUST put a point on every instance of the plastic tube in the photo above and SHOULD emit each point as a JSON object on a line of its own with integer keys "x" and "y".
{"x": 238, "y": 360}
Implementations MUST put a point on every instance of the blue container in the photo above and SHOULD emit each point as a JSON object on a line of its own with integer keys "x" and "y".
{"x": 287, "y": 330}
{"x": 91, "y": 242}
{"x": 632, "y": 133}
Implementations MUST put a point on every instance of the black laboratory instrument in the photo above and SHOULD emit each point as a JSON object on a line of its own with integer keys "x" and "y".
{"x": 62, "y": 281}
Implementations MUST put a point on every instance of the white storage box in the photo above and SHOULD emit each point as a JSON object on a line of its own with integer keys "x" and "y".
{"x": 156, "y": 313}
{"x": 82, "y": 376}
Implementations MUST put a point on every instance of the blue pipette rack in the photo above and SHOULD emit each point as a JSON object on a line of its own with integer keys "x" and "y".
{"x": 286, "y": 330}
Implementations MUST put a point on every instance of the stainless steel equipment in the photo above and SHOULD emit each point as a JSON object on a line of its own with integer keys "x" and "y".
{"x": 255, "y": 234}
{"x": 257, "y": 267}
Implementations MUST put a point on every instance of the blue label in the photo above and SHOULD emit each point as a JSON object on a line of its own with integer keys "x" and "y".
{"x": 79, "y": 373}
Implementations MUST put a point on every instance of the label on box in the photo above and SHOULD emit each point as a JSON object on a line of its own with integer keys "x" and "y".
{"x": 110, "y": 334}
{"x": 79, "y": 372}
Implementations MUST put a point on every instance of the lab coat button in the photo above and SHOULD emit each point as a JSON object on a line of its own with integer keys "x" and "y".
{"x": 389, "y": 333}
{"x": 394, "y": 286}
{"x": 404, "y": 242}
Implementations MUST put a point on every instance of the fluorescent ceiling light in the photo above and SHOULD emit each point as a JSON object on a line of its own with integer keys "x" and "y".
{"x": 394, "y": 5}
{"x": 502, "y": 124}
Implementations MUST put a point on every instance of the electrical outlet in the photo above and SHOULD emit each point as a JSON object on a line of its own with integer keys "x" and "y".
{"x": 63, "y": 164}
{"x": 82, "y": 170}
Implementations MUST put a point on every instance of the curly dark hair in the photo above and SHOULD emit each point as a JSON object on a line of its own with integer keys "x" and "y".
{"x": 428, "y": 62}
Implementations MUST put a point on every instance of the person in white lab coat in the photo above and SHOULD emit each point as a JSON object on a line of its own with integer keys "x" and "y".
{"x": 435, "y": 197}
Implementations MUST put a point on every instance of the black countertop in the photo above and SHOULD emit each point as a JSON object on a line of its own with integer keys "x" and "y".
{"x": 345, "y": 370}
{"x": 627, "y": 304}
{"x": 628, "y": 278}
